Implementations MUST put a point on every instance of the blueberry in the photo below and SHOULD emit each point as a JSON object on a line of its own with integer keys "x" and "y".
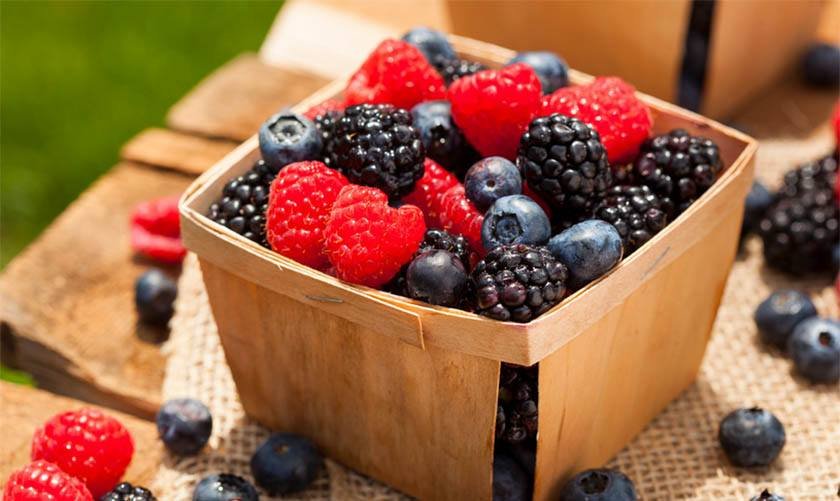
{"x": 490, "y": 179}
{"x": 821, "y": 65}
{"x": 758, "y": 200}
{"x": 224, "y": 487}
{"x": 767, "y": 496}
{"x": 835, "y": 258}
{"x": 154, "y": 295}
{"x": 286, "y": 463}
{"x": 814, "y": 347}
{"x": 432, "y": 43}
{"x": 599, "y": 485}
{"x": 510, "y": 482}
{"x": 184, "y": 425}
{"x": 552, "y": 71}
{"x": 515, "y": 219}
{"x": 436, "y": 277}
{"x": 288, "y": 137}
{"x": 589, "y": 249}
{"x": 751, "y": 437}
{"x": 442, "y": 139}
{"x": 778, "y": 315}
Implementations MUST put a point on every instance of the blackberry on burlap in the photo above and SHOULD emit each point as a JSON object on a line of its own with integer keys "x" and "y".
{"x": 518, "y": 282}
{"x": 516, "y": 417}
{"x": 124, "y": 491}
{"x": 244, "y": 202}
{"x": 678, "y": 167}
{"x": 376, "y": 145}
{"x": 564, "y": 161}
{"x": 635, "y": 212}
{"x": 800, "y": 229}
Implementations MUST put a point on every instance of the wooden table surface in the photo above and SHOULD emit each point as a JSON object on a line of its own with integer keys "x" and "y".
{"x": 66, "y": 302}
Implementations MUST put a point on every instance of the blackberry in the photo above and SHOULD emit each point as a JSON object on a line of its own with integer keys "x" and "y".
{"x": 518, "y": 282}
{"x": 820, "y": 174}
{"x": 516, "y": 417}
{"x": 376, "y": 145}
{"x": 564, "y": 161}
{"x": 451, "y": 69}
{"x": 244, "y": 202}
{"x": 325, "y": 124}
{"x": 800, "y": 230}
{"x": 126, "y": 492}
{"x": 635, "y": 212}
{"x": 678, "y": 167}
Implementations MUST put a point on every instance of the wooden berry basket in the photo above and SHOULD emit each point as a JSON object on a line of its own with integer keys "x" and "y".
{"x": 406, "y": 392}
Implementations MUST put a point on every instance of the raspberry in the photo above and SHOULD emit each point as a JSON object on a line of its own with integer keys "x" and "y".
{"x": 395, "y": 73}
{"x": 457, "y": 215}
{"x": 435, "y": 181}
{"x": 87, "y": 444}
{"x": 299, "y": 205}
{"x": 610, "y": 105}
{"x": 156, "y": 230}
{"x": 43, "y": 481}
{"x": 493, "y": 107}
{"x": 323, "y": 108}
{"x": 366, "y": 240}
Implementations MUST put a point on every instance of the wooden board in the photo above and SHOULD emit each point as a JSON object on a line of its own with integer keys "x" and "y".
{"x": 234, "y": 100}
{"x": 67, "y": 301}
{"x": 175, "y": 150}
{"x": 25, "y": 409}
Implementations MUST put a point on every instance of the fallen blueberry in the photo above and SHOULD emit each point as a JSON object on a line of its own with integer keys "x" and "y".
{"x": 154, "y": 297}
{"x": 552, "y": 71}
{"x": 286, "y": 463}
{"x": 814, "y": 347}
{"x": 225, "y": 487}
{"x": 442, "y": 139}
{"x": 436, "y": 277}
{"x": 490, "y": 179}
{"x": 758, "y": 200}
{"x": 515, "y": 219}
{"x": 821, "y": 65}
{"x": 288, "y": 137}
{"x": 589, "y": 249}
{"x": 766, "y": 495}
{"x": 510, "y": 482}
{"x": 599, "y": 485}
{"x": 778, "y": 315}
{"x": 751, "y": 437}
{"x": 184, "y": 425}
{"x": 432, "y": 43}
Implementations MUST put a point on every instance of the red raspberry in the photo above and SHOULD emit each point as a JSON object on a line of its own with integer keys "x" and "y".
{"x": 368, "y": 241}
{"x": 324, "y": 107}
{"x": 459, "y": 216}
{"x": 435, "y": 181}
{"x": 43, "y": 481}
{"x": 156, "y": 230}
{"x": 610, "y": 105}
{"x": 395, "y": 73}
{"x": 493, "y": 107}
{"x": 299, "y": 205}
{"x": 87, "y": 444}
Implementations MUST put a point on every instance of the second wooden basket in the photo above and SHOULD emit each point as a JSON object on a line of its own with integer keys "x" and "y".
{"x": 406, "y": 392}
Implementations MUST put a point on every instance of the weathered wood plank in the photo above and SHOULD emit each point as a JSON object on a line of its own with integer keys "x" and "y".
{"x": 235, "y": 99}
{"x": 24, "y": 409}
{"x": 67, "y": 301}
{"x": 175, "y": 150}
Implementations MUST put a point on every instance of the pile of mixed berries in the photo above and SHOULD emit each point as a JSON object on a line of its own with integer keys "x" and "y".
{"x": 497, "y": 191}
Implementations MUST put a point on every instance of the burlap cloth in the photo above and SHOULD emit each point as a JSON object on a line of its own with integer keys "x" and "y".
{"x": 676, "y": 457}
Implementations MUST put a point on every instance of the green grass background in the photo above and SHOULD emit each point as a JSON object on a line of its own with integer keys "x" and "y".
{"x": 78, "y": 79}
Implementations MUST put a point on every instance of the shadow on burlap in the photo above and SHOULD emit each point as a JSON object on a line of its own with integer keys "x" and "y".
{"x": 676, "y": 457}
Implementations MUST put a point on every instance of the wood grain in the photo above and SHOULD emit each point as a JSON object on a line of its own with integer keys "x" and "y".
{"x": 67, "y": 301}
{"x": 25, "y": 409}
{"x": 174, "y": 150}
{"x": 419, "y": 420}
{"x": 234, "y": 100}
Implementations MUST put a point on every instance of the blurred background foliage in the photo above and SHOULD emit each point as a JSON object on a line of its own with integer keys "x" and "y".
{"x": 78, "y": 79}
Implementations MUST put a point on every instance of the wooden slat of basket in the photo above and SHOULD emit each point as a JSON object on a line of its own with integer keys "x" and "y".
{"x": 67, "y": 301}
{"x": 175, "y": 150}
{"x": 25, "y": 409}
